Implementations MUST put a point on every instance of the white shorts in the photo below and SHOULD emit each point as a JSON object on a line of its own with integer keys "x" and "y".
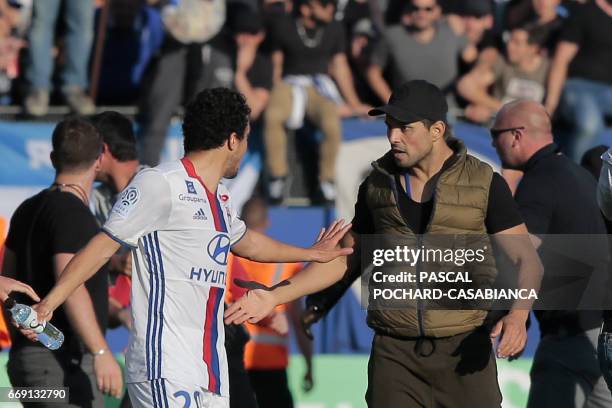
{"x": 165, "y": 393}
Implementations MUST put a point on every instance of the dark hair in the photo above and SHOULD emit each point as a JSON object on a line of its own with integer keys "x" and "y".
{"x": 212, "y": 117}
{"x": 76, "y": 145}
{"x": 448, "y": 132}
{"x": 537, "y": 34}
{"x": 299, "y": 3}
{"x": 118, "y": 133}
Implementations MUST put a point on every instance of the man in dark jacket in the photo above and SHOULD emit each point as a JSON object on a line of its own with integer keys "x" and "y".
{"x": 425, "y": 185}
{"x": 556, "y": 196}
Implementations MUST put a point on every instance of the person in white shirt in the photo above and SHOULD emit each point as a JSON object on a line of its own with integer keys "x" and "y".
{"x": 179, "y": 223}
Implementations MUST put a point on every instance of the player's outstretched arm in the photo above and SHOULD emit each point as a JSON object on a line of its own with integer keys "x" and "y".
{"x": 261, "y": 248}
{"x": 83, "y": 266}
{"x": 258, "y": 303}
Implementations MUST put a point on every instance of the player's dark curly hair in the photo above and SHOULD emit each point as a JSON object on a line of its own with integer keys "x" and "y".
{"x": 212, "y": 116}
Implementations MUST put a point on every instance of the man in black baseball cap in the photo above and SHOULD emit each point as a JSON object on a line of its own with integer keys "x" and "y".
{"x": 413, "y": 101}
{"x": 428, "y": 185}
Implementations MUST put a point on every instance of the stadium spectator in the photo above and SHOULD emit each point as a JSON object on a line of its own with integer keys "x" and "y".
{"x": 306, "y": 47}
{"x": 133, "y": 36}
{"x": 266, "y": 354}
{"x": 234, "y": 58}
{"x": 476, "y": 23}
{"x": 580, "y": 80}
{"x": 46, "y": 232}
{"x": 422, "y": 356}
{"x": 247, "y": 59}
{"x": 549, "y": 14}
{"x": 423, "y": 46}
{"x": 78, "y": 16}
{"x": 362, "y": 42}
{"x": 521, "y": 75}
{"x": 188, "y": 219}
{"x": 564, "y": 372}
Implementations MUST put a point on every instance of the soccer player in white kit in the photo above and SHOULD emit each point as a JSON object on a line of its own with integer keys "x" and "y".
{"x": 178, "y": 220}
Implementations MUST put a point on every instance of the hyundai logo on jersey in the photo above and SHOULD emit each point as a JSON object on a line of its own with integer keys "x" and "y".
{"x": 190, "y": 187}
{"x": 218, "y": 248}
{"x": 208, "y": 275}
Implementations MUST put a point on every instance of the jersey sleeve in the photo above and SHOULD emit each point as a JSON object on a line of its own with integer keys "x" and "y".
{"x": 143, "y": 207}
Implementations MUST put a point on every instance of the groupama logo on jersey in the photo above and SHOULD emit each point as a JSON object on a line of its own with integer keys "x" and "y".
{"x": 127, "y": 201}
{"x": 218, "y": 248}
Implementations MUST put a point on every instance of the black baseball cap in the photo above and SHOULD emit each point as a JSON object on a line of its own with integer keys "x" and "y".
{"x": 413, "y": 101}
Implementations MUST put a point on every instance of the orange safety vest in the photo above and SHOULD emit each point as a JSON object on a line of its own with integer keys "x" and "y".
{"x": 266, "y": 350}
{"x": 5, "y": 338}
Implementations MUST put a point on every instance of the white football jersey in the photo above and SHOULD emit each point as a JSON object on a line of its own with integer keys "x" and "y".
{"x": 180, "y": 234}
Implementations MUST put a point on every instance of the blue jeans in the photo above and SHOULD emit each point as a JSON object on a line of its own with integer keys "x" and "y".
{"x": 585, "y": 104}
{"x": 604, "y": 352}
{"x": 79, "y": 19}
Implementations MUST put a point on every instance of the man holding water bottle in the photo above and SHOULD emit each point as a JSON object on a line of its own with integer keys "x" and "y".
{"x": 45, "y": 233}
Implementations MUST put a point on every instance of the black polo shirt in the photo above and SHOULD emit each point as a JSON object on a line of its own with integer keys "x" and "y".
{"x": 557, "y": 196}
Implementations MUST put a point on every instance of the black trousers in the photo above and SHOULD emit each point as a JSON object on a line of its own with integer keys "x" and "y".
{"x": 37, "y": 366}
{"x": 451, "y": 372}
{"x": 271, "y": 388}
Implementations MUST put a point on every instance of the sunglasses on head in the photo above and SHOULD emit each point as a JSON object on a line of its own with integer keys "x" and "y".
{"x": 495, "y": 133}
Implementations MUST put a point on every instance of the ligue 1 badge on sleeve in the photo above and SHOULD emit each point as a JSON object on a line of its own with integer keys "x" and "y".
{"x": 127, "y": 201}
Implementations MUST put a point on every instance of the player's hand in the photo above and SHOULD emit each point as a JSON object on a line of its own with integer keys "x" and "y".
{"x": 326, "y": 247}
{"x": 108, "y": 374}
{"x": 43, "y": 312}
{"x": 254, "y": 306}
{"x": 513, "y": 333}
{"x": 8, "y": 285}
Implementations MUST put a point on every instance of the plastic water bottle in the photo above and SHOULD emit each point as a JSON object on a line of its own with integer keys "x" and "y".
{"x": 26, "y": 317}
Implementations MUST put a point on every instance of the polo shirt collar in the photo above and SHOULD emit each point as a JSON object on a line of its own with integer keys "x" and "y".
{"x": 544, "y": 152}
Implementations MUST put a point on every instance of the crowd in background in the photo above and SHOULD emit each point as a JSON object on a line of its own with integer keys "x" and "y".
{"x": 319, "y": 59}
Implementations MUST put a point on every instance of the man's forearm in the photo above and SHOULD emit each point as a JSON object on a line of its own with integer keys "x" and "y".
{"x": 476, "y": 94}
{"x": 326, "y": 299}
{"x": 261, "y": 248}
{"x": 343, "y": 76}
{"x": 82, "y": 317}
{"x": 377, "y": 83}
{"x": 316, "y": 277}
{"x": 558, "y": 74}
